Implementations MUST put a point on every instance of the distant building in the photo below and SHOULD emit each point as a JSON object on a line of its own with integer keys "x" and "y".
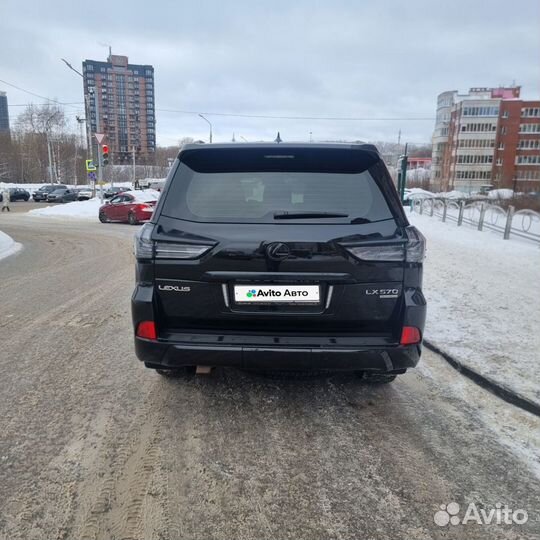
{"x": 4, "y": 114}
{"x": 122, "y": 106}
{"x": 419, "y": 163}
{"x": 486, "y": 137}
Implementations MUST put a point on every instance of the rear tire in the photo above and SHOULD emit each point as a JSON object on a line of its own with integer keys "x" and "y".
{"x": 376, "y": 378}
{"x": 132, "y": 220}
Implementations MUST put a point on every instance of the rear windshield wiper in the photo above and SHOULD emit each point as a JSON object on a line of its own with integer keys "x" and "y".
{"x": 308, "y": 215}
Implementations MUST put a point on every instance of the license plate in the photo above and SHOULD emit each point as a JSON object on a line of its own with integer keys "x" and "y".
{"x": 274, "y": 294}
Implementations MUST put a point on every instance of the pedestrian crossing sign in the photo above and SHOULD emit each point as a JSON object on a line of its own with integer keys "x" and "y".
{"x": 90, "y": 165}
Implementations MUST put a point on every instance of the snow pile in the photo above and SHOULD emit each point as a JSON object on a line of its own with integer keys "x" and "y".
{"x": 500, "y": 194}
{"x": 453, "y": 195}
{"x": 482, "y": 302}
{"x": 147, "y": 195}
{"x": 418, "y": 193}
{"x": 8, "y": 246}
{"x": 78, "y": 209}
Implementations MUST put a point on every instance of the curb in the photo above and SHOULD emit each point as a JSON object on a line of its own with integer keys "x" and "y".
{"x": 491, "y": 386}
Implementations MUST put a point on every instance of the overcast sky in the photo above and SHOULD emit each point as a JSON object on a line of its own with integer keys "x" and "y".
{"x": 384, "y": 60}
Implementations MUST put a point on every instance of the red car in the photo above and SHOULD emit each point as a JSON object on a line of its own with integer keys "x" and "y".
{"x": 131, "y": 207}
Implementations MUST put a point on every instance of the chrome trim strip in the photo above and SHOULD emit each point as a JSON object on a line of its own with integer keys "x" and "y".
{"x": 329, "y": 297}
{"x": 225, "y": 294}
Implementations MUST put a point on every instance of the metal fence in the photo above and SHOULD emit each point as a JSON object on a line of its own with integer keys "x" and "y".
{"x": 482, "y": 215}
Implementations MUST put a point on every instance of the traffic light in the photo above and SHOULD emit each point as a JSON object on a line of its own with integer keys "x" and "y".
{"x": 104, "y": 154}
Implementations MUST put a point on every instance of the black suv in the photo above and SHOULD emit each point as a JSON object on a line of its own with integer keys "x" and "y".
{"x": 280, "y": 257}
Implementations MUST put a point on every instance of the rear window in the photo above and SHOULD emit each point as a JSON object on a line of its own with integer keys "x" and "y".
{"x": 260, "y": 196}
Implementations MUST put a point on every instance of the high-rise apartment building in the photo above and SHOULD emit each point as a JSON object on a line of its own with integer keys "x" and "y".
{"x": 121, "y": 102}
{"x": 486, "y": 137}
{"x": 4, "y": 114}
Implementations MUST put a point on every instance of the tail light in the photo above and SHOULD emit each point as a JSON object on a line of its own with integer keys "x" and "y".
{"x": 146, "y": 208}
{"x": 410, "y": 335}
{"x": 413, "y": 250}
{"x": 416, "y": 245}
{"x": 145, "y": 248}
{"x": 147, "y": 330}
{"x": 143, "y": 245}
{"x": 169, "y": 250}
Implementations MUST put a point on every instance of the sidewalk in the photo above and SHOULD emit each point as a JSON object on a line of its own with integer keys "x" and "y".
{"x": 483, "y": 297}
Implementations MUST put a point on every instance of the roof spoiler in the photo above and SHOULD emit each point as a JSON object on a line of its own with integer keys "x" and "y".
{"x": 369, "y": 148}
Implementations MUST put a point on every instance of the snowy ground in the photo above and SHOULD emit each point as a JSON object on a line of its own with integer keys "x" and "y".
{"x": 482, "y": 292}
{"x": 77, "y": 210}
{"x": 8, "y": 246}
{"x": 483, "y": 299}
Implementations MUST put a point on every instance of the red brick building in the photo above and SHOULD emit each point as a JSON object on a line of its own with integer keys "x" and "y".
{"x": 486, "y": 137}
{"x": 121, "y": 105}
{"x": 517, "y": 148}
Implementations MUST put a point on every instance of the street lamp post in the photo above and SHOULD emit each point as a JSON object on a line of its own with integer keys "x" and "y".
{"x": 86, "y": 113}
{"x": 209, "y": 123}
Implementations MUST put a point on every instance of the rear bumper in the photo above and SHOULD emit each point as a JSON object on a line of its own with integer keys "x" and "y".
{"x": 194, "y": 350}
{"x": 280, "y": 351}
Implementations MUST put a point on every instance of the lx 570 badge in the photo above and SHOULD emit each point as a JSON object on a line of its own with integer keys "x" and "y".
{"x": 383, "y": 293}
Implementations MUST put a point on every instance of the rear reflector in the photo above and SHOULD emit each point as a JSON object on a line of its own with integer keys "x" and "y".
{"x": 410, "y": 335}
{"x": 147, "y": 330}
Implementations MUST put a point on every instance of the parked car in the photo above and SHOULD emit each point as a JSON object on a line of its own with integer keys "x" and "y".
{"x": 62, "y": 195}
{"x": 129, "y": 207}
{"x": 84, "y": 194}
{"x": 16, "y": 194}
{"x": 43, "y": 192}
{"x": 112, "y": 191}
{"x": 283, "y": 257}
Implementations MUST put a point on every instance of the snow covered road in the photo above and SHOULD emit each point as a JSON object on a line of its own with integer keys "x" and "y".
{"x": 95, "y": 446}
{"x": 483, "y": 302}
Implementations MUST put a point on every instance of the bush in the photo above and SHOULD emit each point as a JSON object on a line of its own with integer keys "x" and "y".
{"x": 520, "y": 202}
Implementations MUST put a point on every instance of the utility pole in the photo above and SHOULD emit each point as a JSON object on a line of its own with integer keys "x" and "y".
{"x": 51, "y": 180}
{"x": 86, "y": 113}
{"x": 210, "y": 124}
{"x": 100, "y": 173}
{"x": 134, "y": 181}
{"x": 402, "y": 175}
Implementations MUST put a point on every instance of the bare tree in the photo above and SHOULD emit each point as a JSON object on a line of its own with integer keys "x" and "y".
{"x": 185, "y": 140}
{"x": 42, "y": 150}
{"x": 41, "y": 119}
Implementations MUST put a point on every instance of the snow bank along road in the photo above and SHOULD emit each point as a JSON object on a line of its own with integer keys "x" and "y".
{"x": 483, "y": 302}
{"x": 8, "y": 246}
{"x": 92, "y": 446}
